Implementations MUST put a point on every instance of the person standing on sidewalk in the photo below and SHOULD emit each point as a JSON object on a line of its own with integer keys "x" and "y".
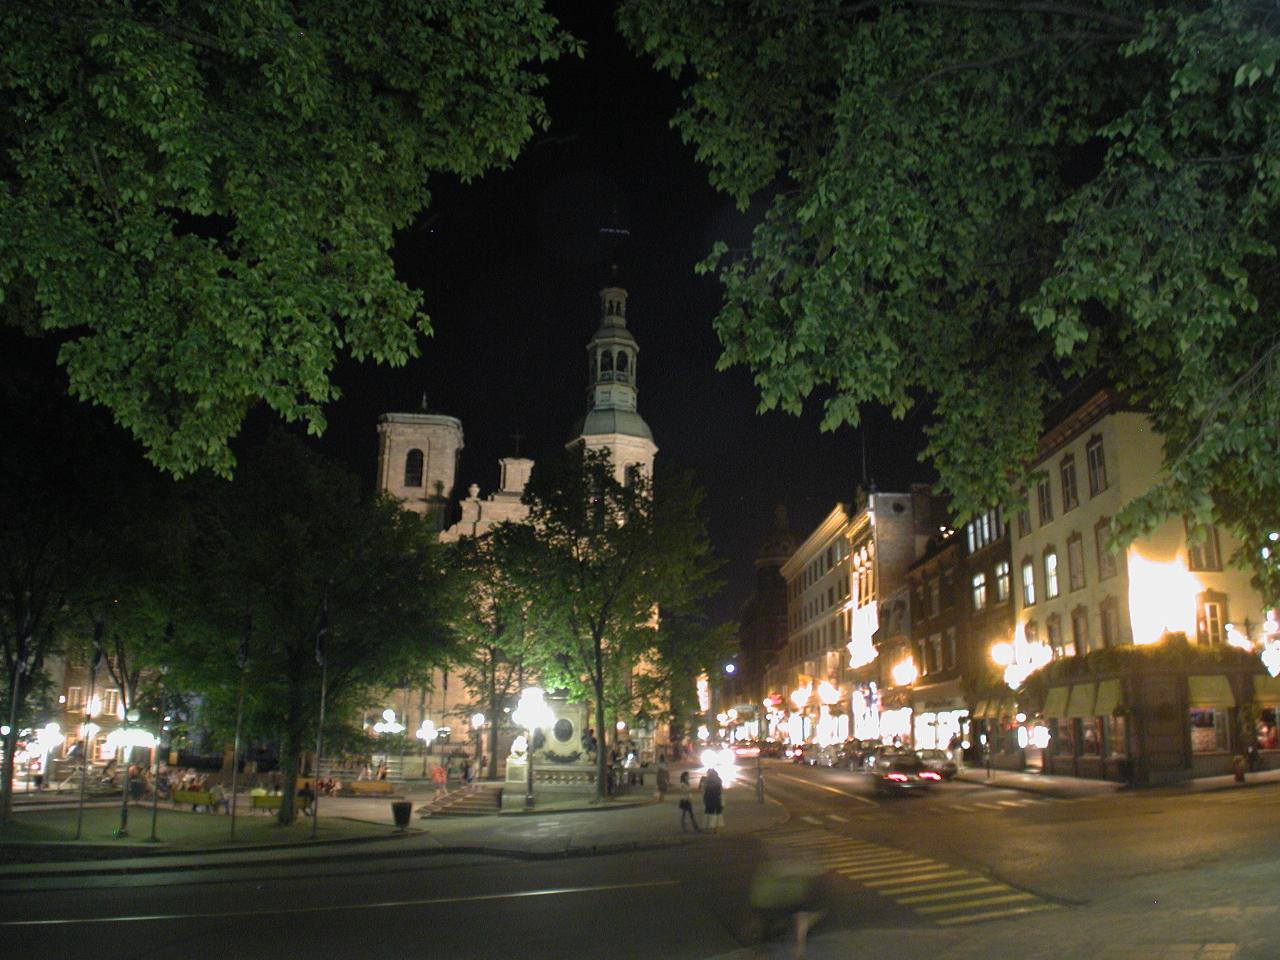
{"x": 686, "y": 805}
{"x": 713, "y": 800}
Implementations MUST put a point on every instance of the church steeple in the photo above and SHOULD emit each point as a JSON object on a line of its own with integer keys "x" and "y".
{"x": 611, "y": 356}
{"x": 612, "y": 420}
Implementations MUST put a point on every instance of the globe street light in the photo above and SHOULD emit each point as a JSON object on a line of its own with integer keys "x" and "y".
{"x": 533, "y": 714}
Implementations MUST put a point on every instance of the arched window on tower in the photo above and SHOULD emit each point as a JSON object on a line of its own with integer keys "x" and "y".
{"x": 413, "y": 468}
{"x": 606, "y": 362}
{"x": 622, "y": 361}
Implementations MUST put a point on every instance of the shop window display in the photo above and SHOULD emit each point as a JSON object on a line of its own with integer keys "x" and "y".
{"x": 1208, "y": 730}
{"x": 1064, "y": 739}
{"x": 1091, "y": 740}
{"x": 1117, "y": 736}
{"x": 1265, "y": 732}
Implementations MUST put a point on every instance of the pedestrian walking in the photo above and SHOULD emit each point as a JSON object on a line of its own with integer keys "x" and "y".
{"x": 713, "y": 800}
{"x": 686, "y": 805}
{"x": 438, "y": 780}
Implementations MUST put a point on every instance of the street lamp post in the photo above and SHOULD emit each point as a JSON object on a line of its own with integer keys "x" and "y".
{"x": 321, "y": 632}
{"x": 88, "y": 720}
{"x": 532, "y": 713}
{"x": 477, "y": 724}
{"x": 242, "y": 661}
{"x": 427, "y": 734}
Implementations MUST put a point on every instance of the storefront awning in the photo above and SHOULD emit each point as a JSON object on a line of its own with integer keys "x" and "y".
{"x": 1055, "y": 703}
{"x": 1110, "y": 697}
{"x": 1266, "y": 690}
{"x": 1210, "y": 691}
{"x": 1080, "y": 703}
{"x": 980, "y": 711}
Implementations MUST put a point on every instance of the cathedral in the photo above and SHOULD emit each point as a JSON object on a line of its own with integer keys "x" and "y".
{"x": 418, "y": 455}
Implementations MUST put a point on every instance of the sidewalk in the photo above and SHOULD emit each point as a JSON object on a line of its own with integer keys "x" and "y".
{"x": 613, "y": 827}
{"x": 1075, "y": 788}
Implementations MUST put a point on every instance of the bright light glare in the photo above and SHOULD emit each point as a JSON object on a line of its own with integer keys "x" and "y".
{"x": 1002, "y": 654}
{"x": 905, "y": 672}
{"x": 1162, "y": 598}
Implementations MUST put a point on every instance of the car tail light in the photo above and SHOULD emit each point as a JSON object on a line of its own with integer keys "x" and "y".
{"x": 899, "y": 777}
{"x": 929, "y": 775}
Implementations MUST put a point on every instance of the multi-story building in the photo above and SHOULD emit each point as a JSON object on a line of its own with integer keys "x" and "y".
{"x": 954, "y": 607}
{"x": 806, "y": 673}
{"x": 828, "y": 678}
{"x": 1077, "y": 595}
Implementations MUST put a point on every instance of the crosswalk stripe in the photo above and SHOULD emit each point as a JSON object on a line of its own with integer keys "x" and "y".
{"x": 837, "y": 817}
{"x": 995, "y": 914}
{"x": 892, "y": 856}
{"x": 1011, "y": 803}
{"x": 952, "y": 894}
{"x": 980, "y": 902}
{"x": 813, "y": 820}
{"x": 942, "y": 884}
{"x": 889, "y": 869}
{"x": 886, "y": 884}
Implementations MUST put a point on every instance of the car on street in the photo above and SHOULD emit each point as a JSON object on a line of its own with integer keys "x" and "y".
{"x": 901, "y": 773}
{"x": 872, "y": 752}
{"x": 939, "y": 762}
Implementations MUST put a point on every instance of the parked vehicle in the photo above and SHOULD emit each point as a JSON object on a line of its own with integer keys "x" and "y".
{"x": 849, "y": 754}
{"x": 872, "y": 752}
{"x": 902, "y": 772}
{"x": 939, "y": 763}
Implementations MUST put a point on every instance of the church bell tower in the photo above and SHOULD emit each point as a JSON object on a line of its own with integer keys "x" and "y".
{"x": 612, "y": 422}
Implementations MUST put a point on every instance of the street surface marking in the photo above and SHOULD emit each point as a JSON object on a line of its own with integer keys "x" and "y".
{"x": 823, "y": 786}
{"x": 980, "y": 902}
{"x": 813, "y": 820}
{"x": 952, "y": 894}
{"x": 1011, "y": 803}
{"x": 383, "y": 905}
{"x": 995, "y": 914}
{"x": 837, "y": 817}
{"x": 936, "y": 892}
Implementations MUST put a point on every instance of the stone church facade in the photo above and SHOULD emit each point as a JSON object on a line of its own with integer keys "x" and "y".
{"x": 418, "y": 456}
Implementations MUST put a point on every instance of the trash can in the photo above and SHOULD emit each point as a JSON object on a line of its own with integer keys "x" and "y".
{"x": 401, "y": 810}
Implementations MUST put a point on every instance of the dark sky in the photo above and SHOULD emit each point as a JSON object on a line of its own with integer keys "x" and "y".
{"x": 510, "y": 268}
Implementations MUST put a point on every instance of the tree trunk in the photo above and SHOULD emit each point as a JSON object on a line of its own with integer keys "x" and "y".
{"x": 18, "y": 692}
{"x": 290, "y": 751}
{"x": 597, "y": 682}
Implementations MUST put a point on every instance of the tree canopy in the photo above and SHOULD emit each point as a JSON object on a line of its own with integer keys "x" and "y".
{"x": 971, "y": 203}
{"x": 291, "y": 546}
{"x": 199, "y": 199}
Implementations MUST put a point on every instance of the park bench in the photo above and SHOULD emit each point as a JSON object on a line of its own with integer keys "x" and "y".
{"x": 197, "y": 798}
{"x": 269, "y": 801}
{"x": 368, "y": 788}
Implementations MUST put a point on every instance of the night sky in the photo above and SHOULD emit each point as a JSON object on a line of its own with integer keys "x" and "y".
{"x": 510, "y": 267}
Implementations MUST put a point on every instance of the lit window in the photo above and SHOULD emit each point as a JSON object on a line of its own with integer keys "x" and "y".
{"x": 1212, "y": 618}
{"x": 1028, "y": 582}
{"x": 1097, "y": 466}
{"x": 1067, "y": 473}
{"x": 110, "y": 701}
{"x": 1050, "y": 574}
{"x": 75, "y": 698}
{"x": 1002, "y": 581}
{"x": 979, "y": 591}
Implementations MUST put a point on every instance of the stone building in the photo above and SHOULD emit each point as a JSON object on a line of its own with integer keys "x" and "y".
{"x": 418, "y": 461}
{"x": 1120, "y": 697}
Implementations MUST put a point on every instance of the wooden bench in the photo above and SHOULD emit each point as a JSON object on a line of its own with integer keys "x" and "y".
{"x": 197, "y": 798}
{"x": 368, "y": 788}
{"x": 267, "y": 801}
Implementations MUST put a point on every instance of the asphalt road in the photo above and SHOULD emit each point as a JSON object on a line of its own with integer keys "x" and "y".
{"x": 963, "y": 871}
